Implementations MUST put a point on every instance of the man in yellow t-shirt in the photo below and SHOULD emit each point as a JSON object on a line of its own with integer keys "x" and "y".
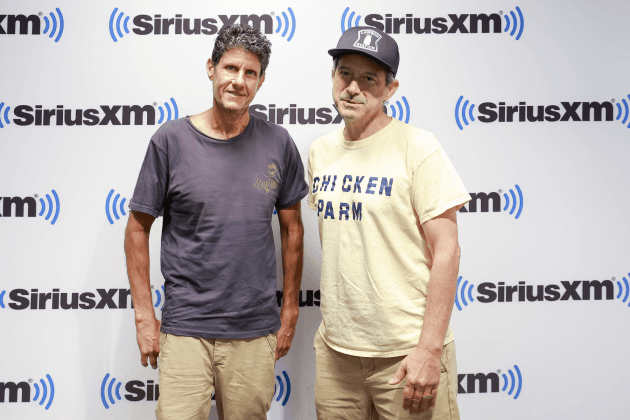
{"x": 386, "y": 197}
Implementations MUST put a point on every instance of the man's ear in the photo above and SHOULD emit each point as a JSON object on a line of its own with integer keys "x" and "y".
{"x": 260, "y": 82}
{"x": 391, "y": 89}
{"x": 210, "y": 68}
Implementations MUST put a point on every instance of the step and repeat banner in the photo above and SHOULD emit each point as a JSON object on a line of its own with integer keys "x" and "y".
{"x": 529, "y": 99}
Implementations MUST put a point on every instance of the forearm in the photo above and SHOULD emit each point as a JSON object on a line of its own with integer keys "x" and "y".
{"x": 292, "y": 262}
{"x": 440, "y": 298}
{"x": 138, "y": 268}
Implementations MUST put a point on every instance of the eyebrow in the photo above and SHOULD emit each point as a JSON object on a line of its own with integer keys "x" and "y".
{"x": 367, "y": 72}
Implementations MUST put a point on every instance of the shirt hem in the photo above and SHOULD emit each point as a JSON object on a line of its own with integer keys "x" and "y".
{"x": 459, "y": 200}
{"x": 144, "y": 209}
{"x": 358, "y": 353}
{"x": 222, "y": 334}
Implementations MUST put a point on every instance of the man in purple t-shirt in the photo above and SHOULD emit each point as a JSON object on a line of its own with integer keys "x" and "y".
{"x": 217, "y": 177}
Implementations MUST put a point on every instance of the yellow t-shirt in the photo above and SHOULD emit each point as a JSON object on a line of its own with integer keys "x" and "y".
{"x": 375, "y": 261}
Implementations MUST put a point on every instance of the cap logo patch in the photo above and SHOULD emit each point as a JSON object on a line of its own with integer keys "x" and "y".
{"x": 367, "y": 40}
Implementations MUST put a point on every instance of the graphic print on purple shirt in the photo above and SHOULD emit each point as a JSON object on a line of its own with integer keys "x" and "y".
{"x": 218, "y": 197}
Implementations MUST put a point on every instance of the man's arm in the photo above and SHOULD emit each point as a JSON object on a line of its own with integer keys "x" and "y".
{"x": 422, "y": 365}
{"x": 292, "y": 236}
{"x": 138, "y": 268}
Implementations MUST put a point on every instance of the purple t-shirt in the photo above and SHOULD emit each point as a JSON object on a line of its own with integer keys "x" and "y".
{"x": 218, "y": 196}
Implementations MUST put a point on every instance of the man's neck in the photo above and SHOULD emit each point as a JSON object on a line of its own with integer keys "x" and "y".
{"x": 365, "y": 127}
{"x": 220, "y": 123}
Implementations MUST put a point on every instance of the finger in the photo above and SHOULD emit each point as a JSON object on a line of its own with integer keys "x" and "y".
{"x": 153, "y": 359}
{"x": 398, "y": 376}
{"x": 425, "y": 401}
{"x": 407, "y": 396}
{"x": 434, "y": 399}
{"x": 416, "y": 401}
{"x": 143, "y": 360}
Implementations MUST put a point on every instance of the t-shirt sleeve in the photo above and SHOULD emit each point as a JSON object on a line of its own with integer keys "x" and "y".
{"x": 293, "y": 187}
{"x": 437, "y": 187}
{"x": 150, "y": 192}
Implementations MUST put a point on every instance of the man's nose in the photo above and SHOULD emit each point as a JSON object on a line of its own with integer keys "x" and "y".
{"x": 239, "y": 79}
{"x": 353, "y": 88}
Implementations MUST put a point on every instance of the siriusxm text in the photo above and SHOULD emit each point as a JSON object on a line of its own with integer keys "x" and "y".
{"x": 464, "y": 23}
{"x": 106, "y": 115}
{"x": 102, "y": 299}
{"x": 566, "y": 290}
{"x": 295, "y": 115}
{"x": 179, "y": 25}
{"x": 569, "y": 111}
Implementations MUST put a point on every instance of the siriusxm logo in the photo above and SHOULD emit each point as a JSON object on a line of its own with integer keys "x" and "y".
{"x": 582, "y": 290}
{"x": 478, "y": 382}
{"x": 15, "y": 206}
{"x": 296, "y": 115}
{"x": 44, "y": 395}
{"x": 481, "y": 202}
{"x": 114, "y": 206}
{"x": 180, "y": 25}
{"x": 625, "y": 291}
{"x": 463, "y": 24}
{"x": 489, "y": 112}
{"x": 107, "y": 115}
{"x": 33, "y": 22}
{"x": 136, "y": 391}
{"x": 398, "y": 112}
{"x": 282, "y": 388}
{"x": 308, "y": 298}
{"x": 159, "y": 301}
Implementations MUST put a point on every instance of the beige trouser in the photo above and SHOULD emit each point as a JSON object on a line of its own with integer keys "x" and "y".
{"x": 240, "y": 370}
{"x": 356, "y": 388}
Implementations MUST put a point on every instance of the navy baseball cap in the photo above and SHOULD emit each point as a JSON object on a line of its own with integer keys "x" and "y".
{"x": 371, "y": 42}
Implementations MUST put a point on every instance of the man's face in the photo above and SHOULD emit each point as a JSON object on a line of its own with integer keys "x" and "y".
{"x": 235, "y": 79}
{"x": 359, "y": 87}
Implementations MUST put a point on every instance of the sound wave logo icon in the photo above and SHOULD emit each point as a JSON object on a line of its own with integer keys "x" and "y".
{"x": 50, "y": 207}
{"x": 625, "y": 291}
{"x": 279, "y": 390}
{"x": 403, "y": 113}
{"x": 118, "y": 28}
{"x": 114, "y": 206}
{"x": 620, "y": 112}
{"x": 2, "y": 299}
{"x": 53, "y": 30}
{"x": 168, "y": 109}
{"x": 44, "y": 392}
{"x": 5, "y": 115}
{"x": 515, "y": 202}
{"x": 159, "y": 301}
{"x": 464, "y": 110}
{"x": 110, "y": 391}
{"x": 514, "y": 23}
{"x": 462, "y": 291}
{"x": 287, "y": 24}
{"x": 513, "y": 382}
{"x": 351, "y": 23}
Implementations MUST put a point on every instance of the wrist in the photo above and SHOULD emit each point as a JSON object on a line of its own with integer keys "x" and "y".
{"x": 144, "y": 316}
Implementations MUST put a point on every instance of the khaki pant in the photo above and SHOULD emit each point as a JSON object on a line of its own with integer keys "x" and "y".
{"x": 240, "y": 370}
{"x": 356, "y": 388}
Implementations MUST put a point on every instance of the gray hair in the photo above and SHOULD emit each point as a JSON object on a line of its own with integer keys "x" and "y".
{"x": 389, "y": 75}
{"x": 245, "y": 37}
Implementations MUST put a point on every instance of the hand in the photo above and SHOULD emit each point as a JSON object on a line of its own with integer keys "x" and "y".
{"x": 422, "y": 369}
{"x": 285, "y": 335}
{"x": 148, "y": 336}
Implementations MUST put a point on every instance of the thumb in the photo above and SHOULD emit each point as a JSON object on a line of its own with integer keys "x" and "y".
{"x": 400, "y": 375}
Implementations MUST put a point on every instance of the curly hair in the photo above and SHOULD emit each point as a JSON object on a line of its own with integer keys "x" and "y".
{"x": 242, "y": 36}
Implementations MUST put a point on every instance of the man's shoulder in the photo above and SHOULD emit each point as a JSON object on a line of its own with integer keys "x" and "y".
{"x": 271, "y": 130}
{"x": 417, "y": 139}
{"x": 327, "y": 140}
{"x": 169, "y": 131}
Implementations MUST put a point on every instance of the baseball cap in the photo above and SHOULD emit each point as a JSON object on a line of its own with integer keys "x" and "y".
{"x": 369, "y": 41}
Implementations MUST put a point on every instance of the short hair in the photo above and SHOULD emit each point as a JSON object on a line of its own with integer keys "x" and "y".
{"x": 245, "y": 37}
{"x": 389, "y": 75}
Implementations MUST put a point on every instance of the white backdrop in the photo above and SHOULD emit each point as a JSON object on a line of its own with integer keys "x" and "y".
{"x": 564, "y": 356}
